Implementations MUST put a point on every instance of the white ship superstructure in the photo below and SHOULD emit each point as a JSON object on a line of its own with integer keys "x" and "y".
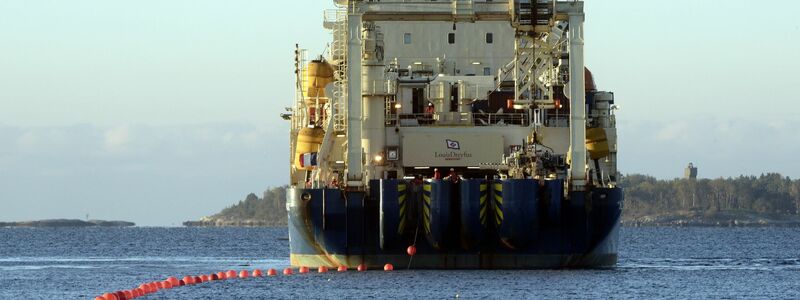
{"x": 498, "y": 77}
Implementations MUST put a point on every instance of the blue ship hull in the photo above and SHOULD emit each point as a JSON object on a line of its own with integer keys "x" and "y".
{"x": 474, "y": 224}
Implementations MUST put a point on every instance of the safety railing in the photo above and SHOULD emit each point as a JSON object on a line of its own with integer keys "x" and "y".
{"x": 478, "y": 119}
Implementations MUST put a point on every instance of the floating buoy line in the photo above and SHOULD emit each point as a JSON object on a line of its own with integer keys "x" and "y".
{"x": 173, "y": 282}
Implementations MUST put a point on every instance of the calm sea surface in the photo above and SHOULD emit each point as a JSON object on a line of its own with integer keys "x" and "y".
{"x": 654, "y": 263}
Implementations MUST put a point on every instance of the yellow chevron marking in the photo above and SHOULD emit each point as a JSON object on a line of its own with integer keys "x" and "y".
{"x": 401, "y": 199}
{"x": 498, "y": 199}
{"x": 427, "y": 199}
{"x": 401, "y": 187}
{"x": 499, "y": 216}
{"x": 402, "y": 211}
{"x": 484, "y": 187}
{"x": 427, "y": 187}
{"x": 498, "y": 187}
{"x": 483, "y": 200}
{"x": 401, "y": 226}
{"x": 427, "y": 219}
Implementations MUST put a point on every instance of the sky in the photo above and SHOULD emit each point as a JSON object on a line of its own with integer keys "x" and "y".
{"x": 160, "y": 112}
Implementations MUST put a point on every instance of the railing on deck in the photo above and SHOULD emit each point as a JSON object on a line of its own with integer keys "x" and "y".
{"x": 478, "y": 119}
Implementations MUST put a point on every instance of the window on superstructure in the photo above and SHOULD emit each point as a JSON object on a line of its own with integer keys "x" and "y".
{"x": 489, "y": 38}
{"x": 451, "y": 38}
{"x": 407, "y": 39}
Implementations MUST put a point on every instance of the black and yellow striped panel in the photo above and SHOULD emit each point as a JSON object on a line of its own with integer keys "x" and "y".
{"x": 484, "y": 203}
{"x": 401, "y": 201}
{"x": 426, "y": 207}
{"x": 498, "y": 203}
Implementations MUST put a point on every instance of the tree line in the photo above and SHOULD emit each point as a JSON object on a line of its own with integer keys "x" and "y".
{"x": 269, "y": 210}
{"x": 769, "y": 193}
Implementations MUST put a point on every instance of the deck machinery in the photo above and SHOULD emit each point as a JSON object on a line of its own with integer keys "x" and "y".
{"x": 469, "y": 129}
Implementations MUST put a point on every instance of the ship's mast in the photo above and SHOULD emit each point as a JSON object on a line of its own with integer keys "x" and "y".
{"x": 577, "y": 97}
{"x": 354, "y": 172}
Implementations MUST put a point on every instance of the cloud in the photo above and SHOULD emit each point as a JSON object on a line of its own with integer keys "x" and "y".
{"x": 128, "y": 171}
{"x": 673, "y": 132}
{"x": 116, "y": 139}
{"x": 721, "y": 147}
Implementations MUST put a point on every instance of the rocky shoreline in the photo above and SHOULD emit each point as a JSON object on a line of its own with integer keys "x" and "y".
{"x": 716, "y": 219}
{"x": 214, "y": 222}
{"x": 68, "y": 223}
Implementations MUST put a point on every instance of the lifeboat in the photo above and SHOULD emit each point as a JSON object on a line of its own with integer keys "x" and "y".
{"x": 309, "y": 141}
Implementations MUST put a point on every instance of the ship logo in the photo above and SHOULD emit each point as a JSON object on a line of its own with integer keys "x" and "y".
{"x": 451, "y": 144}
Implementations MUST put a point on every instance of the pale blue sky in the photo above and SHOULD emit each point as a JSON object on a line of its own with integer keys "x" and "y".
{"x": 163, "y": 111}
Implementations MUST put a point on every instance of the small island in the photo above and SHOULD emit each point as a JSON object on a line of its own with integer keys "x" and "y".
{"x": 252, "y": 211}
{"x": 745, "y": 201}
{"x": 68, "y": 223}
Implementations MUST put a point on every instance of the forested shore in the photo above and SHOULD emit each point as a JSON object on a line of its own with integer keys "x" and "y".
{"x": 768, "y": 199}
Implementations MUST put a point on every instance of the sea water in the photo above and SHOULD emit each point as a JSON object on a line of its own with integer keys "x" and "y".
{"x": 654, "y": 263}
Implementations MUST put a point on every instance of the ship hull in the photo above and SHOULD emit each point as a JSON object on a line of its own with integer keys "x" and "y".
{"x": 513, "y": 224}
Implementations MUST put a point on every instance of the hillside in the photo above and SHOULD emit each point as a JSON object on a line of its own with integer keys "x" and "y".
{"x": 267, "y": 211}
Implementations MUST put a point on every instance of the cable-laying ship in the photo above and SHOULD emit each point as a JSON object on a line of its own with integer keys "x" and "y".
{"x": 469, "y": 129}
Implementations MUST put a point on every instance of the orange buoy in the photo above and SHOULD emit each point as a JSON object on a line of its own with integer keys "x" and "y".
{"x": 99, "y": 298}
{"x": 144, "y": 288}
{"x": 154, "y": 287}
{"x": 303, "y": 270}
{"x": 244, "y": 274}
{"x": 188, "y": 280}
{"x": 257, "y": 273}
{"x": 166, "y": 284}
{"x": 173, "y": 280}
{"x": 205, "y": 278}
{"x": 110, "y": 296}
{"x": 197, "y": 279}
{"x": 287, "y": 271}
{"x": 322, "y": 269}
{"x": 411, "y": 250}
{"x": 181, "y": 282}
{"x": 221, "y": 275}
{"x": 272, "y": 272}
{"x": 128, "y": 294}
{"x": 231, "y": 274}
{"x": 362, "y": 268}
{"x": 214, "y": 277}
{"x": 137, "y": 292}
{"x": 342, "y": 269}
{"x": 160, "y": 285}
{"x": 388, "y": 267}
{"x": 120, "y": 295}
